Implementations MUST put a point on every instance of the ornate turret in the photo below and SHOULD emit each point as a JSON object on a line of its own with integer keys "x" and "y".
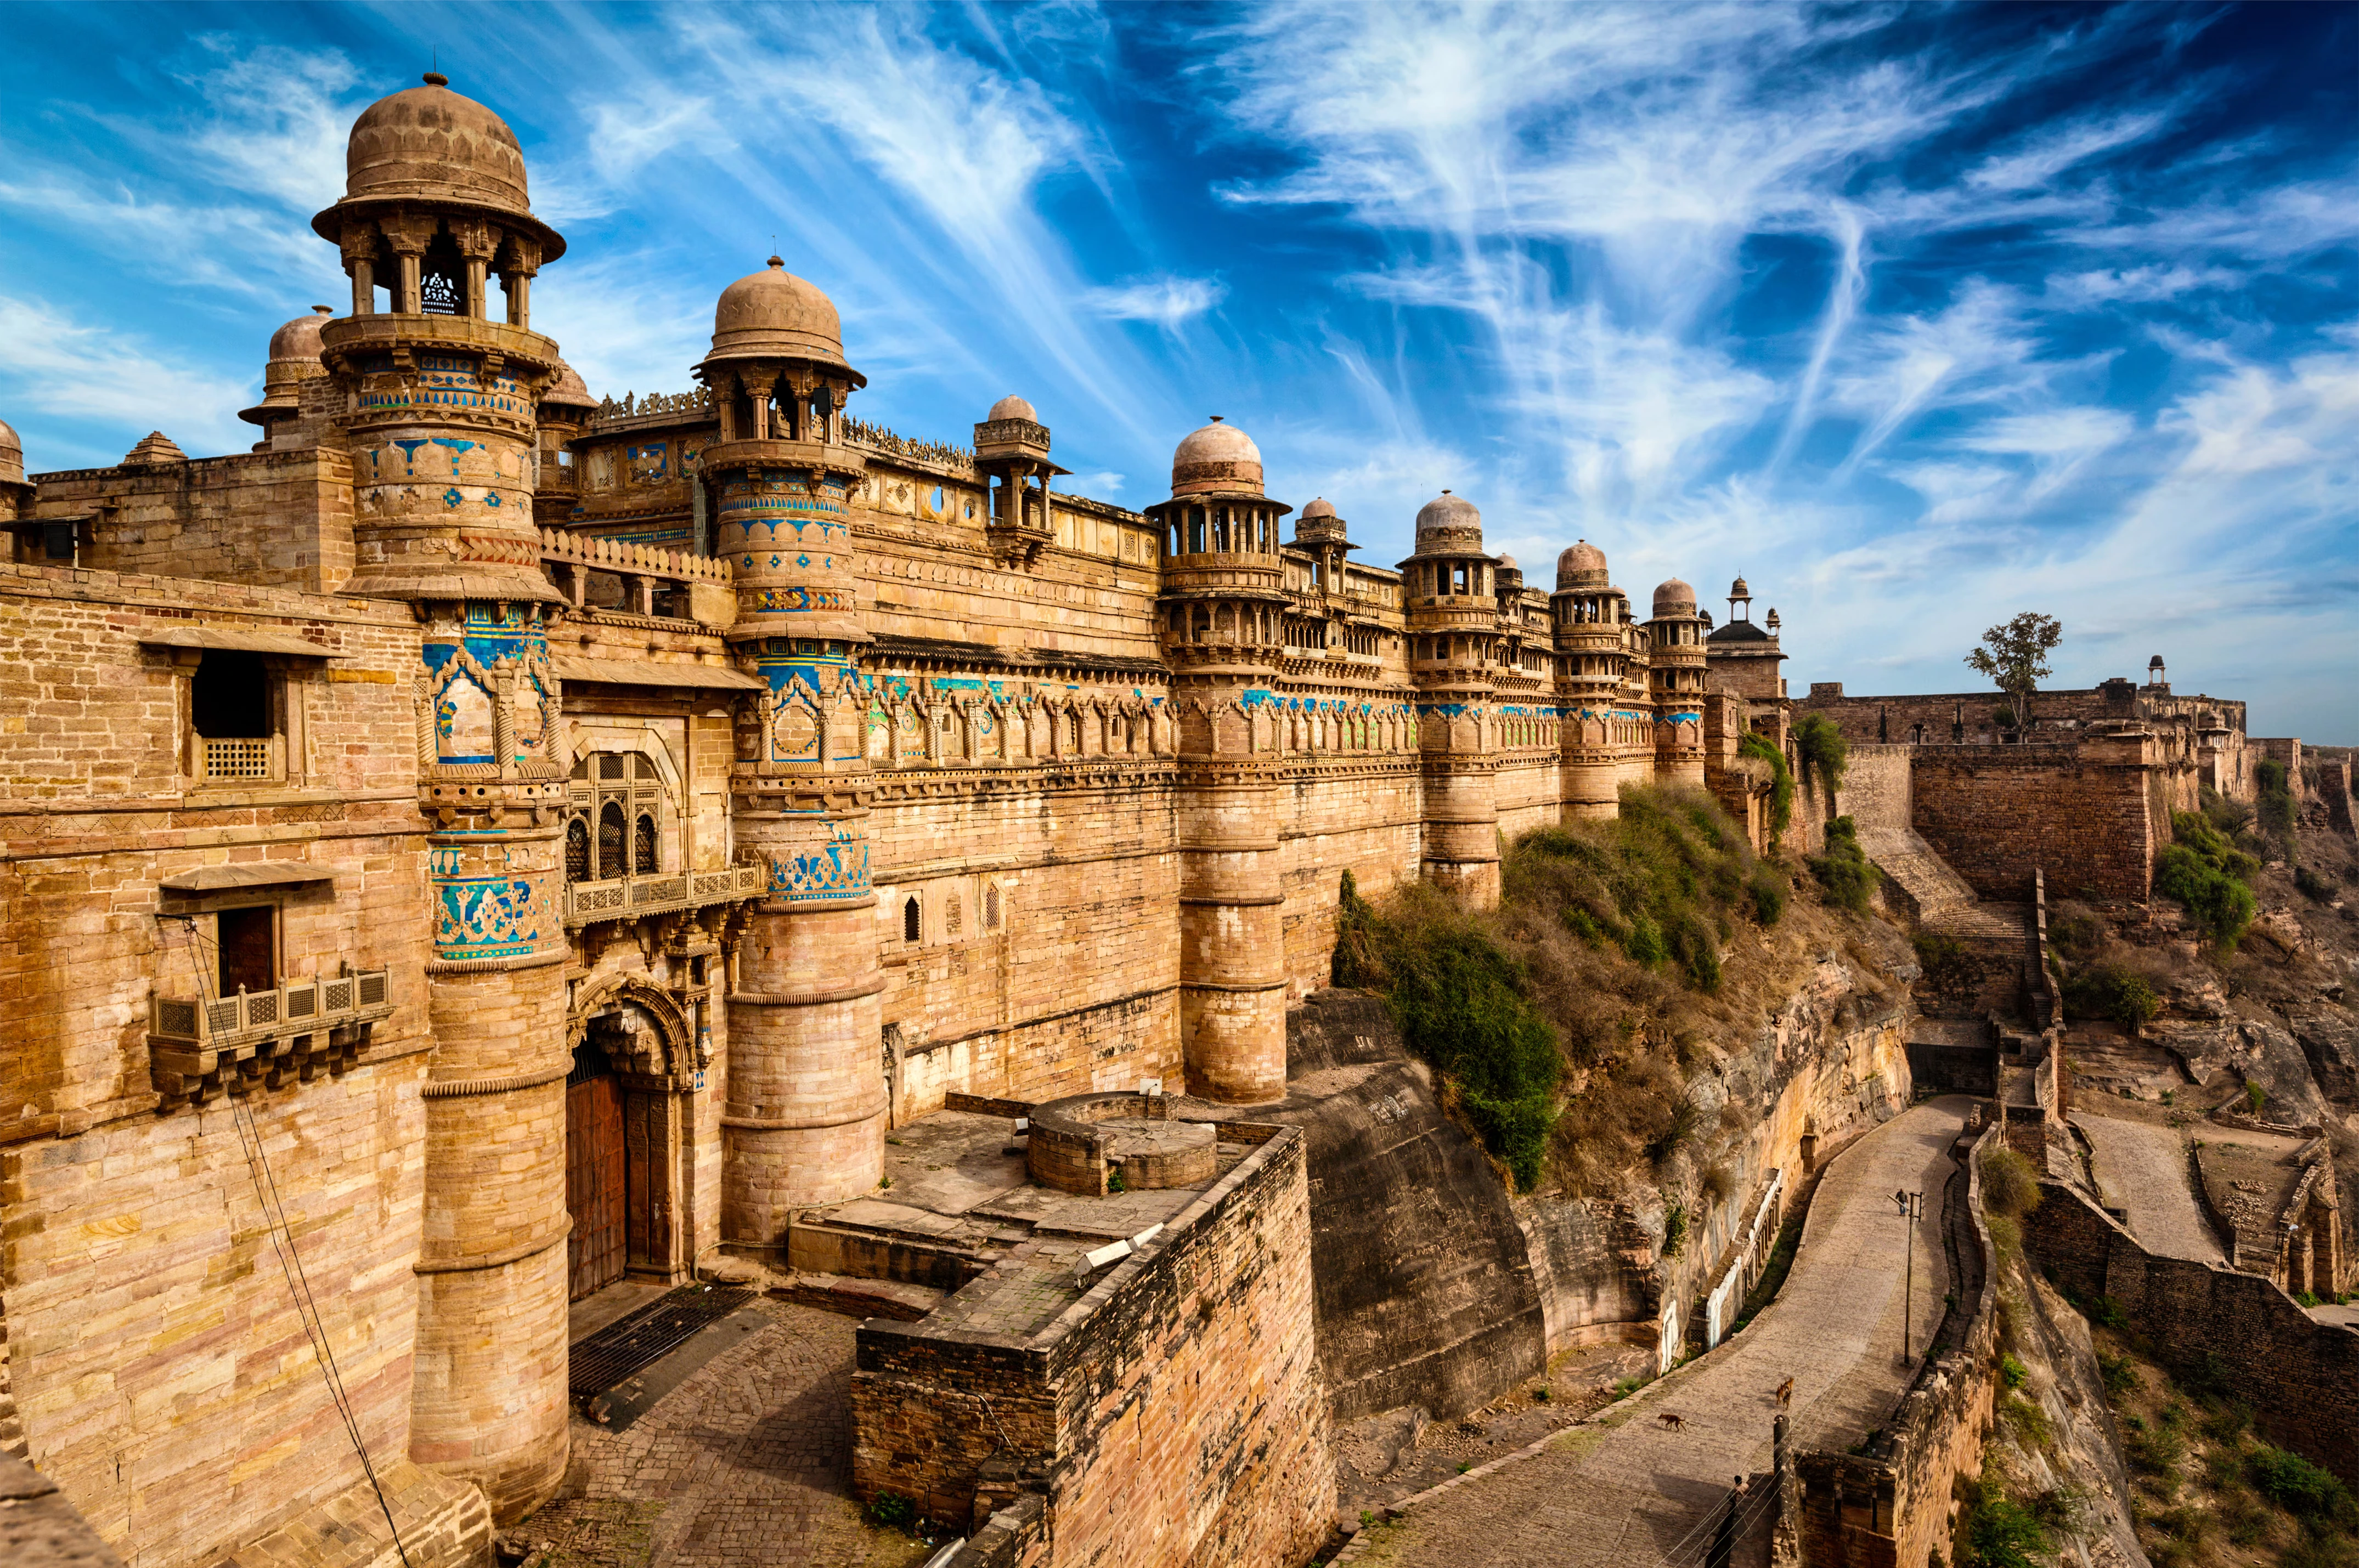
{"x": 439, "y": 404}
{"x": 1744, "y": 657}
{"x": 1011, "y": 458}
{"x": 16, "y": 501}
{"x": 294, "y": 359}
{"x": 1591, "y": 618}
{"x": 804, "y": 1122}
{"x": 1454, "y": 641}
{"x": 441, "y": 398}
{"x": 1223, "y": 611}
{"x": 1675, "y": 652}
{"x": 565, "y": 408}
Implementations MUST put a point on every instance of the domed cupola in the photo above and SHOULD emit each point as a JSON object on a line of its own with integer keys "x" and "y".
{"x": 1220, "y": 459}
{"x": 434, "y": 203}
{"x": 1581, "y": 566}
{"x": 294, "y": 359}
{"x": 1448, "y": 524}
{"x": 15, "y": 493}
{"x": 1674, "y": 598}
{"x": 1224, "y": 580}
{"x": 777, "y": 368}
{"x": 773, "y": 314}
{"x": 1011, "y": 458}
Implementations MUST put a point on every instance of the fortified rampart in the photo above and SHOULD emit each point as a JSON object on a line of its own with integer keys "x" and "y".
{"x": 2300, "y": 1375}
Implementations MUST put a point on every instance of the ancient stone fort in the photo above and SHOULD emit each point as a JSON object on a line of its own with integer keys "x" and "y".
{"x": 490, "y": 843}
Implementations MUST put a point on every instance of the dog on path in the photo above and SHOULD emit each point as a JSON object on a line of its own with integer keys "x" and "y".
{"x": 1672, "y": 1422}
{"x": 1786, "y": 1393}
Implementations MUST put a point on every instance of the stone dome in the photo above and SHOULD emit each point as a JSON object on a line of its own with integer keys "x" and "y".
{"x": 774, "y": 315}
{"x": 1011, "y": 407}
{"x": 1217, "y": 458}
{"x": 429, "y": 145}
{"x": 1675, "y": 598}
{"x": 1508, "y": 564}
{"x": 299, "y": 338}
{"x": 294, "y": 359}
{"x": 1580, "y": 566}
{"x": 1449, "y": 522}
{"x": 568, "y": 391}
{"x": 1738, "y": 590}
{"x": 1319, "y": 507}
{"x": 12, "y": 455}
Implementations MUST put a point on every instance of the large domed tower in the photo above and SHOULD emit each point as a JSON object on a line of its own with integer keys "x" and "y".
{"x": 439, "y": 400}
{"x": 1675, "y": 654}
{"x": 1454, "y": 638}
{"x": 1590, "y": 619}
{"x": 16, "y": 495}
{"x": 804, "y": 1120}
{"x": 1223, "y": 609}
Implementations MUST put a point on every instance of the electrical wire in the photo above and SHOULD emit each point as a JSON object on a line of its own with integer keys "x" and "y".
{"x": 202, "y": 958}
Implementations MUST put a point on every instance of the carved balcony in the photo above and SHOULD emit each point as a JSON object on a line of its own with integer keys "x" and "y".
{"x": 200, "y": 1046}
{"x": 639, "y": 898}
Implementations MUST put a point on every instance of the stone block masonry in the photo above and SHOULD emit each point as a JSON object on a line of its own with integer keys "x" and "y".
{"x": 1172, "y": 1414}
{"x": 2080, "y": 811}
{"x": 2301, "y": 1375}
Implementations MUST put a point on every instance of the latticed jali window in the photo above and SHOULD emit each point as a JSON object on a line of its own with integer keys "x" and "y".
{"x": 619, "y": 806}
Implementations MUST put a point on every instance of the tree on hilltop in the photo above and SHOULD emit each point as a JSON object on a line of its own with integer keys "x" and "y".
{"x": 2014, "y": 656}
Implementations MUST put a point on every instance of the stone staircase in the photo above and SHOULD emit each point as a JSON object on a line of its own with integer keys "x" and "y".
{"x": 1923, "y": 881}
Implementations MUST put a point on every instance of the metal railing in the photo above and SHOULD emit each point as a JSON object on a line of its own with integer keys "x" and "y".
{"x": 634, "y": 898}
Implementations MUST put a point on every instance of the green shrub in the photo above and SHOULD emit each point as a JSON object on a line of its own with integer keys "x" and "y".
{"x": 891, "y": 1511}
{"x": 1459, "y": 1000}
{"x": 2295, "y": 1483}
{"x": 2010, "y": 1185}
{"x": 2277, "y": 809}
{"x": 1947, "y": 964}
{"x": 1820, "y": 749}
{"x": 2028, "y": 1422}
{"x": 2012, "y": 1372}
{"x": 2314, "y": 885}
{"x": 2111, "y": 990}
{"x": 1659, "y": 881}
{"x": 1781, "y": 779}
{"x": 2205, "y": 872}
{"x": 1645, "y": 942}
{"x": 2076, "y": 934}
{"x": 2230, "y": 816}
{"x": 1767, "y": 887}
{"x": 1995, "y": 1531}
{"x": 1675, "y": 1229}
{"x": 2256, "y": 1097}
{"x": 1844, "y": 870}
{"x": 2120, "y": 1376}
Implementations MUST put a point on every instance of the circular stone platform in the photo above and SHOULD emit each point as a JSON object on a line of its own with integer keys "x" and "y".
{"x": 1089, "y": 1143}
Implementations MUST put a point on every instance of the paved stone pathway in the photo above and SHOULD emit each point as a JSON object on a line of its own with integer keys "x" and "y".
{"x": 746, "y": 1462}
{"x": 1632, "y": 1493}
{"x": 2141, "y": 1169}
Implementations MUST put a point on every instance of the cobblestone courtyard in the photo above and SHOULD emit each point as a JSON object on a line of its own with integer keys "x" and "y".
{"x": 747, "y": 1462}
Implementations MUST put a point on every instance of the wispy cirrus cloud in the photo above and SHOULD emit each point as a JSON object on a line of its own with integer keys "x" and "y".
{"x": 1917, "y": 315}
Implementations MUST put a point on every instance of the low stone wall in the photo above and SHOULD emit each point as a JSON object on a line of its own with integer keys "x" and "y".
{"x": 1889, "y": 1505}
{"x": 2302, "y": 1376}
{"x": 444, "y": 1523}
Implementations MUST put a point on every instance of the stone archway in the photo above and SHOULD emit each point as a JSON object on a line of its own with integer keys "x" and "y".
{"x": 642, "y": 1034}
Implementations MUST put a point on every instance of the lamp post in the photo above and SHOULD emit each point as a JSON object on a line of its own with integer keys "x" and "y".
{"x": 1911, "y": 1206}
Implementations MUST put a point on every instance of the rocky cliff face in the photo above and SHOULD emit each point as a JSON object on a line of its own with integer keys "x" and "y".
{"x": 1438, "y": 1289}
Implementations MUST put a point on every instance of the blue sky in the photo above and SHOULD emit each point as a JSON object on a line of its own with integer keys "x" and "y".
{"x": 1918, "y": 317}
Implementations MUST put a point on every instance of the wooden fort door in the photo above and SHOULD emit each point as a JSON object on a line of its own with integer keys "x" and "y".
{"x": 595, "y": 1179}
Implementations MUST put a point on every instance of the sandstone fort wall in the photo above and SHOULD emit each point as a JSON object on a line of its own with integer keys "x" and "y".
{"x": 2300, "y": 1375}
{"x": 2087, "y": 821}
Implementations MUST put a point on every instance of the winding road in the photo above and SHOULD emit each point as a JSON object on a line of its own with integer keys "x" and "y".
{"x": 1627, "y": 1491}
